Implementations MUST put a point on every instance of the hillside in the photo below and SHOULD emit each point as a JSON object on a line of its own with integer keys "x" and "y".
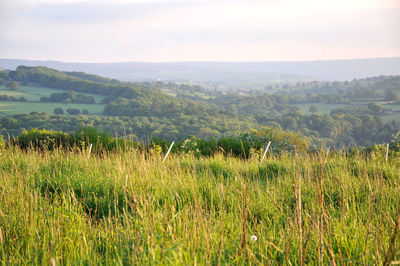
{"x": 230, "y": 74}
{"x": 360, "y": 112}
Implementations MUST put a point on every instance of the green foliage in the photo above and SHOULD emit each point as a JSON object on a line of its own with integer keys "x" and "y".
{"x": 73, "y": 111}
{"x": 375, "y": 108}
{"x": 238, "y": 146}
{"x": 162, "y": 143}
{"x": 142, "y": 111}
{"x": 81, "y": 139}
{"x": 12, "y": 85}
{"x": 12, "y": 98}
{"x": 313, "y": 109}
{"x": 66, "y": 81}
{"x": 42, "y": 139}
{"x": 58, "y": 111}
{"x": 391, "y": 95}
{"x": 86, "y": 136}
{"x": 68, "y": 97}
{"x": 281, "y": 142}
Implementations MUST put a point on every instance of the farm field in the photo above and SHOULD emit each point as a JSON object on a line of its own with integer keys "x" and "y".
{"x": 324, "y": 108}
{"x": 396, "y": 113}
{"x": 10, "y": 108}
{"x": 33, "y": 93}
{"x": 63, "y": 207}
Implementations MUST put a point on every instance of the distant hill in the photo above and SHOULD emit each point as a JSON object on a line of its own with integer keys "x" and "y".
{"x": 232, "y": 74}
{"x": 343, "y": 113}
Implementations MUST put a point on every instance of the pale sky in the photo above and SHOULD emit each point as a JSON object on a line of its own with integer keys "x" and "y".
{"x": 198, "y": 30}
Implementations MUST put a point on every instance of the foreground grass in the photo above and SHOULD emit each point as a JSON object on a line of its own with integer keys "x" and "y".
{"x": 130, "y": 208}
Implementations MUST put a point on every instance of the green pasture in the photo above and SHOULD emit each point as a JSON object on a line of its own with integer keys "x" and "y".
{"x": 33, "y": 93}
{"x": 396, "y": 113}
{"x": 11, "y": 108}
{"x": 323, "y": 108}
{"x": 33, "y": 104}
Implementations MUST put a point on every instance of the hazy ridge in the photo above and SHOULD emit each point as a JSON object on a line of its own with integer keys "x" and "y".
{"x": 234, "y": 74}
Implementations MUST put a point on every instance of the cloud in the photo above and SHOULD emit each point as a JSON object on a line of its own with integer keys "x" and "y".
{"x": 159, "y": 30}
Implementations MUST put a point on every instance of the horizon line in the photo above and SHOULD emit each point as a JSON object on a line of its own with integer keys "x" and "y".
{"x": 202, "y": 61}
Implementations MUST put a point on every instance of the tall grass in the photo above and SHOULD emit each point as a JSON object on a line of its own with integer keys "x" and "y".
{"x": 128, "y": 207}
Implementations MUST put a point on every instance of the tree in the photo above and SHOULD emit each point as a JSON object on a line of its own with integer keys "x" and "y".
{"x": 73, "y": 111}
{"x": 374, "y": 108}
{"x": 313, "y": 109}
{"x": 290, "y": 123}
{"x": 391, "y": 95}
{"x": 12, "y": 85}
{"x": 58, "y": 111}
{"x": 85, "y": 111}
{"x": 1, "y": 81}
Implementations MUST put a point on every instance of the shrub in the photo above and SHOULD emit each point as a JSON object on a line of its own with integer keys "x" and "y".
{"x": 42, "y": 139}
{"x": 58, "y": 111}
{"x": 12, "y": 85}
{"x": 244, "y": 144}
{"x": 164, "y": 144}
{"x": 73, "y": 111}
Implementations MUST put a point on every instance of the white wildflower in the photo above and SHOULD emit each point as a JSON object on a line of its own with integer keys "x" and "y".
{"x": 253, "y": 238}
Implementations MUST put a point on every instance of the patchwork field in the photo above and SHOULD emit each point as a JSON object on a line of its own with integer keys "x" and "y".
{"x": 33, "y": 94}
{"x": 10, "y": 108}
{"x": 324, "y": 108}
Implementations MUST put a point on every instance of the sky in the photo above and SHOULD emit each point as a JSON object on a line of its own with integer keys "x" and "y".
{"x": 198, "y": 30}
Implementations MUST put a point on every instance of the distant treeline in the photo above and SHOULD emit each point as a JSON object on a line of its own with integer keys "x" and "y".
{"x": 68, "y": 97}
{"x": 12, "y": 98}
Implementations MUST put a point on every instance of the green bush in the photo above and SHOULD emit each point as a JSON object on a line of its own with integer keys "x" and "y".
{"x": 12, "y": 85}
{"x": 242, "y": 145}
{"x": 49, "y": 140}
{"x": 42, "y": 139}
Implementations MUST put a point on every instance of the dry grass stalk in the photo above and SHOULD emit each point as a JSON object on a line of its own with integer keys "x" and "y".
{"x": 243, "y": 243}
{"x": 274, "y": 201}
{"x": 389, "y": 253}
{"x": 299, "y": 220}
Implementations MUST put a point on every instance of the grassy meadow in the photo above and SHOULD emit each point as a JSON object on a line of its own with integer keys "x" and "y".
{"x": 326, "y": 108}
{"x": 129, "y": 207}
{"x": 11, "y": 108}
{"x": 323, "y": 108}
{"x": 33, "y": 104}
